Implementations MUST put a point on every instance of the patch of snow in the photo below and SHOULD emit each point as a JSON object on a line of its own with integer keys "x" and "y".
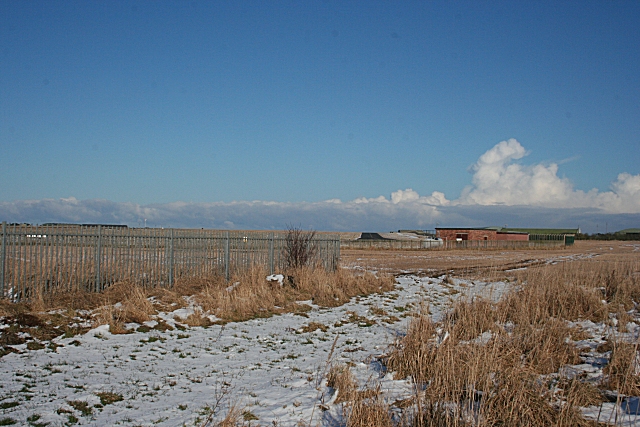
{"x": 278, "y": 278}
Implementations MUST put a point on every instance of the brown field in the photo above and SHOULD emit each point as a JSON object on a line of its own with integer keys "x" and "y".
{"x": 474, "y": 263}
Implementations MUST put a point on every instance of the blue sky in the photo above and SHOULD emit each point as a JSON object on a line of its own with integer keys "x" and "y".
{"x": 147, "y": 104}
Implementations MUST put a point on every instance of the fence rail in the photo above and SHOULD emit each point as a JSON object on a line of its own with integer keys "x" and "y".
{"x": 65, "y": 258}
{"x": 391, "y": 244}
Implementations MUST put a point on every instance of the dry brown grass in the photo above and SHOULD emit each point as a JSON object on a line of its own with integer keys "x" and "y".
{"x": 124, "y": 303}
{"x": 502, "y": 378}
{"x": 246, "y": 296}
{"x": 471, "y": 317}
{"x": 233, "y": 418}
{"x": 341, "y": 379}
{"x": 370, "y": 412}
{"x": 362, "y": 408}
{"x": 251, "y": 295}
{"x": 623, "y": 371}
{"x": 166, "y": 299}
{"x": 197, "y": 318}
{"x": 568, "y": 292}
{"x": 497, "y": 383}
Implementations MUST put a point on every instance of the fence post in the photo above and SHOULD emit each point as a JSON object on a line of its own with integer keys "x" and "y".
{"x": 98, "y": 258}
{"x": 171, "y": 259}
{"x": 3, "y": 256}
{"x": 226, "y": 256}
{"x": 271, "y": 253}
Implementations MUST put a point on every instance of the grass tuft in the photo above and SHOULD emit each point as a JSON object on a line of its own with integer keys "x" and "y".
{"x": 494, "y": 363}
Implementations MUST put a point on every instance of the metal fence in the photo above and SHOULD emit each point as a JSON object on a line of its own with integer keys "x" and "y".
{"x": 391, "y": 244}
{"x": 91, "y": 258}
{"x": 502, "y": 244}
{"x": 451, "y": 244}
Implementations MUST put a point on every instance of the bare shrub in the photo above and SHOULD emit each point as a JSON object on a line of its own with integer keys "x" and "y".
{"x": 299, "y": 249}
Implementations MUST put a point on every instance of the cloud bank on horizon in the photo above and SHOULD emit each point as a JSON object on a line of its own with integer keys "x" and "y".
{"x": 501, "y": 190}
{"x": 498, "y": 180}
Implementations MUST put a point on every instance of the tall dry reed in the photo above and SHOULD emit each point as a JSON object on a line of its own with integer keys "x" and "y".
{"x": 487, "y": 364}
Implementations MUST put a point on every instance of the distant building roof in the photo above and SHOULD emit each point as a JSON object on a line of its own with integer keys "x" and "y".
{"x": 518, "y": 230}
{"x": 629, "y": 231}
{"x": 371, "y": 236}
{"x": 543, "y": 230}
{"x": 462, "y": 228}
{"x": 85, "y": 225}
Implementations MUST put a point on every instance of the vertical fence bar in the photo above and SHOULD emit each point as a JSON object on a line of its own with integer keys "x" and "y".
{"x": 68, "y": 253}
{"x": 171, "y": 259}
{"x": 226, "y": 256}
{"x": 23, "y": 260}
{"x": 40, "y": 271}
{"x": 3, "y": 256}
{"x": 31, "y": 274}
{"x": 98, "y": 258}
{"x": 271, "y": 253}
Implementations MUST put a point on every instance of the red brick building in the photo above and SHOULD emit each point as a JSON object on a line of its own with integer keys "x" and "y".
{"x": 512, "y": 235}
{"x": 479, "y": 234}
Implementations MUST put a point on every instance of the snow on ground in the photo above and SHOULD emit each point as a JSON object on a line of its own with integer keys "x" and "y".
{"x": 272, "y": 367}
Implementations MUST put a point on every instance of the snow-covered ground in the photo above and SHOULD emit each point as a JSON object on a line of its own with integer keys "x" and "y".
{"x": 272, "y": 368}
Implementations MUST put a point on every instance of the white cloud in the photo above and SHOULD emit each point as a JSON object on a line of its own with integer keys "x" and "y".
{"x": 502, "y": 191}
{"x": 436, "y": 199}
{"x": 374, "y": 214}
{"x": 404, "y": 196}
{"x": 627, "y": 190}
{"x": 497, "y": 180}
